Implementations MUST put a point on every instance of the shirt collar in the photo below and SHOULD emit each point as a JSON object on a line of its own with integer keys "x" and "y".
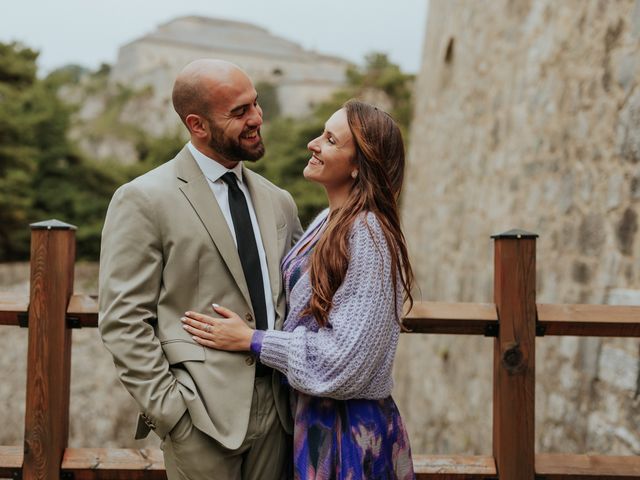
{"x": 211, "y": 168}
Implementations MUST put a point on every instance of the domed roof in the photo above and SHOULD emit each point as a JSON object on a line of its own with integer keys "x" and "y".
{"x": 231, "y": 35}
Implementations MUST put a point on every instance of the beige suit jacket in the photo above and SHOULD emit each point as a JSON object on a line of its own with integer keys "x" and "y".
{"x": 166, "y": 248}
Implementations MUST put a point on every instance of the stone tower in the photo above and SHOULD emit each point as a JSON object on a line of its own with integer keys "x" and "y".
{"x": 527, "y": 116}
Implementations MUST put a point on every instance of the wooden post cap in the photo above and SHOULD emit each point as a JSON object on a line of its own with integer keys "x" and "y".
{"x": 52, "y": 225}
{"x": 515, "y": 233}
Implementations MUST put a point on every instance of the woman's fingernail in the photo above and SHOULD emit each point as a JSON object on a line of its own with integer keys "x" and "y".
{"x": 215, "y": 305}
{"x": 183, "y": 319}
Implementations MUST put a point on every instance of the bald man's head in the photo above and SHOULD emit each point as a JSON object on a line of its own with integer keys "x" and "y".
{"x": 195, "y": 86}
{"x": 218, "y": 104}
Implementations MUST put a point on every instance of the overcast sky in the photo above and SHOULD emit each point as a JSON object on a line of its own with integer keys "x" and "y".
{"x": 89, "y": 32}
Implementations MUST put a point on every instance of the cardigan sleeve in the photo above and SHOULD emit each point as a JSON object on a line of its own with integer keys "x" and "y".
{"x": 256, "y": 342}
{"x": 339, "y": 360}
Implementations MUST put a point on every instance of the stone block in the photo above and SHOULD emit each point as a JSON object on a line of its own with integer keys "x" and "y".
{"x": 618, "y": 368}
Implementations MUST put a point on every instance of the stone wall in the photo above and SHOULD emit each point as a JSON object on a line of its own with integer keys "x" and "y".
{"x": 527, "y": 116}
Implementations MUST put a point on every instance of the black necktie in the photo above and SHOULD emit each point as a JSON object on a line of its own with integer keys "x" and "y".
{"x": 247, "y": 249}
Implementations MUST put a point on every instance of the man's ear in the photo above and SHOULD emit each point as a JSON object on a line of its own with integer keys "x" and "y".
{"x": 198, "y": 126}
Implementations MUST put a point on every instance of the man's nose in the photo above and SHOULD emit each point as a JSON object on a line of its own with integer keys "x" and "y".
{"x": 255, "y": 118}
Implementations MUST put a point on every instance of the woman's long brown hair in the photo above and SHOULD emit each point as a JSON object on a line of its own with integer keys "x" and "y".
{"x": 379, "y": 160}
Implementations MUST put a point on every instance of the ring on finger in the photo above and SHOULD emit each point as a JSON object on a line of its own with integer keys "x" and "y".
{"x": 208, "y": 328}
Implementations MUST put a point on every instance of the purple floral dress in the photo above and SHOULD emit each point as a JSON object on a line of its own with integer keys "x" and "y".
{"x": 342, "y": 439}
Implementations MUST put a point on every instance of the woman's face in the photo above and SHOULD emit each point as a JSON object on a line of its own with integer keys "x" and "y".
{"x": 332, "y": 154}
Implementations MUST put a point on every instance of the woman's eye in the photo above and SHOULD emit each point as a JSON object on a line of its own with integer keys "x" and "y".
{"x": 331, "y": 140}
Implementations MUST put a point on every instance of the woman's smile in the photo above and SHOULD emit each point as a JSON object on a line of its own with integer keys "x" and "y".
{"x": 315, "y": 161}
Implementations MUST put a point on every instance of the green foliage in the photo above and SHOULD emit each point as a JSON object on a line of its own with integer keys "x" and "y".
{"x": 268, "y": 98}
{"x": 154, "y": 151}
{"x": 17, "y": 65}
{"x": 67, "y": 75}
{"x": 43, "y": 175}
{"x": 379, "y": 74}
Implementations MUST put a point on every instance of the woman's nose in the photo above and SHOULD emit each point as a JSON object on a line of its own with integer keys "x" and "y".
{"x": 313, "y": 145}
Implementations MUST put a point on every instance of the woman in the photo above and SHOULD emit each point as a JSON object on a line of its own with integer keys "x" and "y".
{"x": 346, "y": 281}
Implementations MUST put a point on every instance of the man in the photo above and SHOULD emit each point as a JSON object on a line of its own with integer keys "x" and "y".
{"x": 198, "y": 230}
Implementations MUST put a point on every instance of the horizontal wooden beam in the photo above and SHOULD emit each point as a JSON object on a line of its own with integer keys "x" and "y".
{"x": 114, "y": 464}
{"x": 10, "y": 461}
{"x": 454, "y": 467}
{"x": 82, "y": 307}
{"x": 11, "y": 305}
{"x": 451, "y": 318}
{"x": 590, "y": 320}
{"x": 573, "y": 320}
{"x": 554, "y": 466}
{"x": 85, "y": 309}
{"x": 148, "y": 464}
{"x": 425, "y": 317}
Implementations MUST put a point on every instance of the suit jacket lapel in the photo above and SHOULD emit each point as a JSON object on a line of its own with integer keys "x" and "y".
{"x": 263, "y": 206}
{"x": 196, "y": 188}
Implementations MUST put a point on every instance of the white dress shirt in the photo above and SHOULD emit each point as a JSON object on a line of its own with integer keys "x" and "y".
{"x": 214, "y": 171}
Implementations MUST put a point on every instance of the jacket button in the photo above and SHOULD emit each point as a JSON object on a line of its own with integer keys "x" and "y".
{"x": 248, "y": 317}
{"x": 249, "y": 361}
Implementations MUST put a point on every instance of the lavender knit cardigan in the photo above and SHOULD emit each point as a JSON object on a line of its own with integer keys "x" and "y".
{"x": 353, "y": 356}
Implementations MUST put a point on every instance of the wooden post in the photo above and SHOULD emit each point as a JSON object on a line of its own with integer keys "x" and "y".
{"x": 514, "y": 355}
{"x": 49, "y": 351}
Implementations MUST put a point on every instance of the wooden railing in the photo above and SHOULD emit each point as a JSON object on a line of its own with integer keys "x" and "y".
{"x": 52, "y": 311}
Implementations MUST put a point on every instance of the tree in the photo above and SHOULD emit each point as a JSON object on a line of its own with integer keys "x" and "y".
{"x": 41, "y": 174}
{"x": 22, "y": 113}
{"x": 268, "y": 98}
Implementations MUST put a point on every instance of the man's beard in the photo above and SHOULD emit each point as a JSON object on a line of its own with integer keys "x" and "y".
{"x": 231, "y": 149}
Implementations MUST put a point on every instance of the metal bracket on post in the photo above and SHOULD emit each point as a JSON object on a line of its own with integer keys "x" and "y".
{"x": 73, "y": 322}
{"x": 66, "y": 476}
{"x": 17, "y": 475}
{"x": 23, "y": 319}
{"x": 491, "y": 329}
{"x": 541, "y": 330}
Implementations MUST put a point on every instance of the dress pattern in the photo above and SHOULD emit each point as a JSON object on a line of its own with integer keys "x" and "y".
{"x": 354, "y": 439}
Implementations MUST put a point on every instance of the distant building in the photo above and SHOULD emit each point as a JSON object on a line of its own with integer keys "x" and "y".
{"x": 302, "y": 78}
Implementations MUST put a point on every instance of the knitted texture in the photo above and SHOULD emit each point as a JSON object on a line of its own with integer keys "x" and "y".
{"x": 353, "y": 356}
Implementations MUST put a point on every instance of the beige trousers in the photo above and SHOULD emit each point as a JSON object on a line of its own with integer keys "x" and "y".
{"x": 265, "y": 453}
